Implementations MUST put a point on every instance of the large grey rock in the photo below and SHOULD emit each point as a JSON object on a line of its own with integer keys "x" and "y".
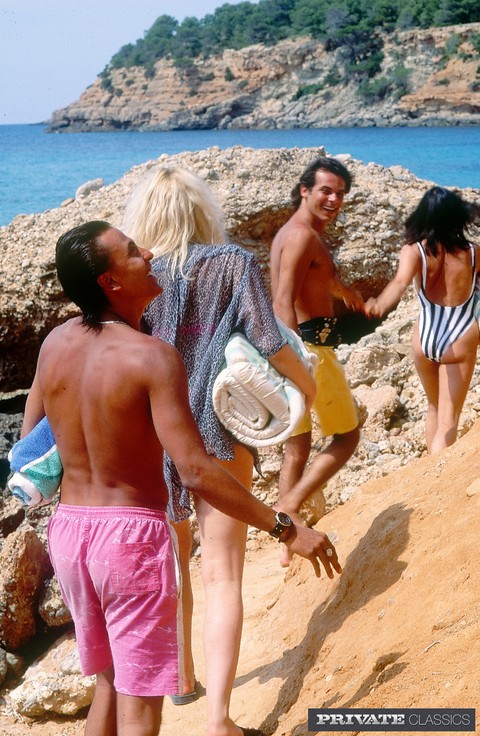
{"x": 51, "y": 606}
{"x": 88, "y": 187}
{"x": 54, "y": 683}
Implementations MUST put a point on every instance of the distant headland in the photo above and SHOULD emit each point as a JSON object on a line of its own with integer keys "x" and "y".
{"x": 275, "y": 65}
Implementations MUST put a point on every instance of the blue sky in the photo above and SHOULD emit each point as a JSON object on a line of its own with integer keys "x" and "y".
{"x": 51, "y": 50}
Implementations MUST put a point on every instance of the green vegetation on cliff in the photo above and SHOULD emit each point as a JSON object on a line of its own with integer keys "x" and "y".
{"x": 349, "y": 24}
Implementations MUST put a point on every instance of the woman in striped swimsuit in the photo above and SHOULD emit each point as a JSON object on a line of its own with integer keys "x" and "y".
{"x": 443, "y": 265}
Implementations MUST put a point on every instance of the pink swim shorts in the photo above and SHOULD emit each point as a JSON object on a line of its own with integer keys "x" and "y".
{"x": 118, "y": 574}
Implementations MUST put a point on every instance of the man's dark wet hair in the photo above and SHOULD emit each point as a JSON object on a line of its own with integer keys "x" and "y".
{"x": 440, "y": 217}
{"x": 80, "y": 260}
{"x": 307, "y": 179}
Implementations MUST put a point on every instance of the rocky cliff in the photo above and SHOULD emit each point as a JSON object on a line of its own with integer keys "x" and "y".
{"x": 428, "y": 77}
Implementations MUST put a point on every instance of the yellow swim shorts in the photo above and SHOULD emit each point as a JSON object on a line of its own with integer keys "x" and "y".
{"x": 334, "y": 404}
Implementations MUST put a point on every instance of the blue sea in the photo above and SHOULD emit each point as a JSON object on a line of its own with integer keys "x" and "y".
{"x": 39, "y": 170}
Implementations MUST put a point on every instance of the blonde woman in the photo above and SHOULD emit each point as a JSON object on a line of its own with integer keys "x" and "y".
{"x": 210, "y": 289}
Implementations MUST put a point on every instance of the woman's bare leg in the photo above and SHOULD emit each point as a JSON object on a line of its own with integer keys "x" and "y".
{"x": 446, "y": 385}
{"x": 223, "y": 552}
{"x": 184, "y": 536}
{"x": 453, "y": 387}
{"x": 428, "y": 372}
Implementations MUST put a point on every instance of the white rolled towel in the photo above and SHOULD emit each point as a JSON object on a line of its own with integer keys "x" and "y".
{"x": 252, "y": 400}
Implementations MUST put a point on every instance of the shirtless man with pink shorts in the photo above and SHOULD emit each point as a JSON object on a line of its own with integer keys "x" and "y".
{"x": 116, "y": 399}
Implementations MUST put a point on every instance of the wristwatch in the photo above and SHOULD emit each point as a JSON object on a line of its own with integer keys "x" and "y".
{"x": 283, "y": 526}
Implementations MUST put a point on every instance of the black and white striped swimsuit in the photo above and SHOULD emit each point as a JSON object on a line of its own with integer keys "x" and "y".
{"x": 441, "y": 326}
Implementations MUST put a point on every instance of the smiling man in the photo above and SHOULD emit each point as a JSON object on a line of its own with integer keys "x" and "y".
{"x": 116, "y": 399}
{"x": 304, "y": 285}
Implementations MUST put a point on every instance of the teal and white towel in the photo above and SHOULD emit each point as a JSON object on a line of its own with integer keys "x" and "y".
{"x": 252, "y": 400}
{"x": 36, "y": 466}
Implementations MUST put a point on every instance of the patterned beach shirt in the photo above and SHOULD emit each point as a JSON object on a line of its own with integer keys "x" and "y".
{"x": 224, "y": 290}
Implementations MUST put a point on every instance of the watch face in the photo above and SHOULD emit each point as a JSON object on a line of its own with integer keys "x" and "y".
{"x": 282, "y": 522}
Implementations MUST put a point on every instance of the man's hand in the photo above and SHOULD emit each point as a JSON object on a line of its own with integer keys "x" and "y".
{"x": 372, "y": 309}
{"x": 351, "y": 297}
{"x": 316, "y": 547}
{"x": 353, "y": 300}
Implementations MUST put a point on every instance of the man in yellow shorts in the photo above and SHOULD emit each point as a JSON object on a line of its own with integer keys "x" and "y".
{"x": 334, "y": 404}
{"x": 304, "y": 285}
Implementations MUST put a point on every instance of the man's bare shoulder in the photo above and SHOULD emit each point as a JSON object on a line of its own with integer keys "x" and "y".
{"x": 145, "y": 355}
{"x": 157, "y": 367}
{"x": 296, "y": 234}
{"x": 60, "y": 333}
{"x": 157, "y": 351}
{"x": 70, "y": 324}
{"x": 128, "y": 349}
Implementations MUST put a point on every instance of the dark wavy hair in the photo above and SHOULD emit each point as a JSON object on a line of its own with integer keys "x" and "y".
{"x": 441, "y": 216}
{"x": 80, "y": 259}
{"x": 307, "y": 179}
